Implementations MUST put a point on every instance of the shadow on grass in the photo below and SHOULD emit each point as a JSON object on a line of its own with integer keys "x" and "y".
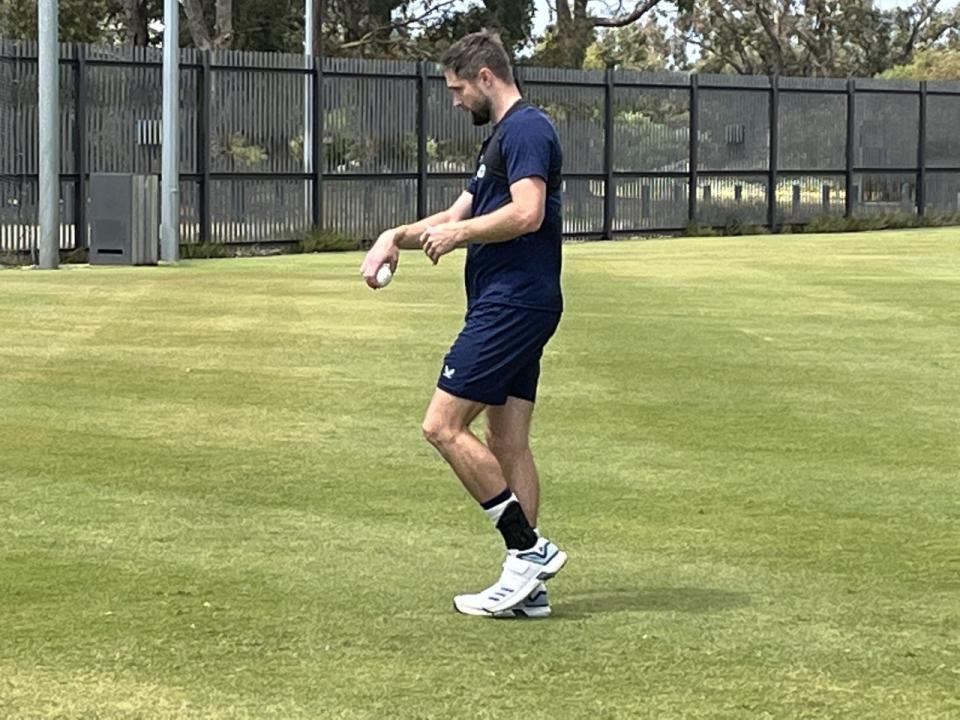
{"x": 680, "y": 600}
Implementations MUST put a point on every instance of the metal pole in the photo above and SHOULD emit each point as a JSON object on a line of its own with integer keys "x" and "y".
{"x": 610, "y": 187}
{"x": 422, "y": 80}
{"x": 170, "y": 170}
{"x": 774, "y": 180}
{"x": 49, "y": 135}
{"x": 922, "y": 153}
{"x": 851, "y": 149}
{"x": 318, "y": 146}
{"x": 80, "y": 139}
{"x": 309, "y": 33}
{"x": 204, "y": 85}
{"x": 694, "y": 145}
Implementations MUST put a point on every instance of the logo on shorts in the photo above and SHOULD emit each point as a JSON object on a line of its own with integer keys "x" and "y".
{"x": 449, "y": 372}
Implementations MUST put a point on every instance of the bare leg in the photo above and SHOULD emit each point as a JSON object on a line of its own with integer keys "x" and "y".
{"x": 508, "y": 436}
{"x": 447, "y": 427}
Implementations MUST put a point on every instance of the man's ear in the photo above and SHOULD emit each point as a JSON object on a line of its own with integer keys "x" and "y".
{"x": 485, "y": 76}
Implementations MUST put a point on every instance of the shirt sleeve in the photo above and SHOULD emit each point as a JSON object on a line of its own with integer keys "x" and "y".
{"x": 527, "y": 150}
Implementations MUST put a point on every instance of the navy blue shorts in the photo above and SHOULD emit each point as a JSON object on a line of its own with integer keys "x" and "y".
{"x": 497, "y": 354}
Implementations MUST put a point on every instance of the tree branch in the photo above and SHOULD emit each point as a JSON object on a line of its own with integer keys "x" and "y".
{"x": 771, "y": 32}
{"x": 622, "y": 20}
{"x": 396, "y": 25}
{"x": 223, "y": 29}
{"x": 196, "y": 24}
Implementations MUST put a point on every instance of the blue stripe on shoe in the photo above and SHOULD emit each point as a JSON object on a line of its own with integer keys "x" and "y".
{"x": 539, "y": 559}
{"x": 540, "y": 555}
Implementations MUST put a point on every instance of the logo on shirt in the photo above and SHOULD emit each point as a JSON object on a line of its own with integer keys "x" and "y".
{"x": 449, "y": 372}
{"x": 481, "y": 171}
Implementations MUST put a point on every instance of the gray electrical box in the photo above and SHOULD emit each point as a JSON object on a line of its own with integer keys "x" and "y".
{"x": 124, "y": 217}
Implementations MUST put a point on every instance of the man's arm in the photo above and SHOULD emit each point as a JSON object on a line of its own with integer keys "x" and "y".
{"x": 407, "y": 237}
{"x": 523, "y": 214}
{"x": 387, "y": 247}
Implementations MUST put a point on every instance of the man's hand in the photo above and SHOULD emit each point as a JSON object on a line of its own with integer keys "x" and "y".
{"x": 439, "y": 240}
{"x": 384, "y": 250}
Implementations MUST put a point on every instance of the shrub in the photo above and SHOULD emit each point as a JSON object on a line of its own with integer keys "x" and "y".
{"x": 203, "y": 251}
{"x": 323, "y": 240}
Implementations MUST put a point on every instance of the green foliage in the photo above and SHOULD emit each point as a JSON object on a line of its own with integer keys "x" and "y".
{"x": 196, "y": 251}
{"x": 735, "y": 227}
{"x": 243, "y": 153}
{"x": 512, "y": 19}
{"x": 935, "y": 64}
{"x": 274, "y": 26}
{"x": 564, "y": 47}
{"x": 653, "y": 133}
{"x": 827, "y": 224}
{"x": 361, "y": 28}
{"x": 695, "y": 229}
{"x": 10, "y": 259}
{"x": 643, "y": 45}
{"x": 295, "y": 145}
{"x": 76, "y": 256}
{"x": 324, "y": 240}
{"x": 86, "y": 21}
{"x": 833, "y": 39}
{"x": 349, "y": 144}
{"x": 893, "y": 221}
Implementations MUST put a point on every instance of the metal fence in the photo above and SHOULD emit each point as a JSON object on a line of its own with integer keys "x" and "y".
{"x": 644, "y": 152}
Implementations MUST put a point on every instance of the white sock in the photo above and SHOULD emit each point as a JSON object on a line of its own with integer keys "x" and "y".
{"x": 494, "y": 509}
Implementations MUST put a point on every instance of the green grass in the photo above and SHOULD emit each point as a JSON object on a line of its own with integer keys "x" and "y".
{"x": 215, "y": 501}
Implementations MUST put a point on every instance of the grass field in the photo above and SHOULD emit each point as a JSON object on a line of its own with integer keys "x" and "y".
{"x": 215, "y": 501}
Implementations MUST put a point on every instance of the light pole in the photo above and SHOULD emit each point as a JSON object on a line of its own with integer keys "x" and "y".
{"x": 49, "y": 134}
{"x": 170, "y": 169}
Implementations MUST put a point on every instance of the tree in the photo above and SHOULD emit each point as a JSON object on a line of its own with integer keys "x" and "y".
{"x": 137, "y": 17}
{"x": 512, "y": 19}
{"x": 80, "y": 20}
{"x": 222, "y": 34}
{"x": 566, "y": 42}
{"x": 647, "y": 44}
{"x": 935, "y": 64}
{"x": 365, "y": 28}
{"x": 418, "y": 28}
{"x": 811, "y": 37}
{"x": 137, "y": 22}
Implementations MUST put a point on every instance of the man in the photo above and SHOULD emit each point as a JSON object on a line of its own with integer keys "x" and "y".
{"x": 509, "y": 219}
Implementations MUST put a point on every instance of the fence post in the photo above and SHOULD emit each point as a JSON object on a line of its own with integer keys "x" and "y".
{"x": 317, "y": 148}
{"x": 203, "y": 145}
{"x": 694, "y": 145}
{"x": 922, "y": 153}
{"x": 609, "y": 188}
{"x": 851, "y": 150}
{"x": 80, "y": 146}
{"x": 422, "y": 80}
{"x": 774, "y": 153}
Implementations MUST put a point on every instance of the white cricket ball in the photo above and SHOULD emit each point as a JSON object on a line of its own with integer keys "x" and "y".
{"x": 384, "y": 276}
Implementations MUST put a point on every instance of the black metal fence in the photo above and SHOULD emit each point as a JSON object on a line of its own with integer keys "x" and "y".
{"x": 644, "y": 152}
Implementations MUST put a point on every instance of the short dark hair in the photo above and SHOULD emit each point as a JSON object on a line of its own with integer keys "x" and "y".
{"x": 478, "y": 50}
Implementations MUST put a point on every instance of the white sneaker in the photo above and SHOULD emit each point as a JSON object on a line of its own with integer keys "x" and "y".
{"x": 534, "y": 605}
{"x": 523, "y": 571}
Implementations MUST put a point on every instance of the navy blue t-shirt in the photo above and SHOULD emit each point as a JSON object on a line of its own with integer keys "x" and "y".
{"x": 524, "y": 272}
